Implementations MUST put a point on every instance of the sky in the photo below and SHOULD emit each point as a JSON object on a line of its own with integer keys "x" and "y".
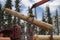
{"x": 53, "y": 4}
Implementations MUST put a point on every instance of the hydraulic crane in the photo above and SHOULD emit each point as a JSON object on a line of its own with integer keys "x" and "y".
{"x": 39, "y": 3}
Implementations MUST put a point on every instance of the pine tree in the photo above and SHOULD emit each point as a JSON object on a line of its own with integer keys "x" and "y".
{"x": 43, "y": 19}
{"x": 56, "y": 17}
{"x": 28, "y": 25}
{"x": 1, "y": 17}
{"x": 17, "y": 6}
{"x": 49, "y": 19}
{"x": 49, "y": 15}
{"x": 8, "y": 16}
{"x": 43, "y": 32}
{"x": 0, "y": 13}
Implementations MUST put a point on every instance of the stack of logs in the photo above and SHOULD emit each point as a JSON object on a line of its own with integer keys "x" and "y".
{"x": 46, "y": 37}
{"x": 5, "y": 38}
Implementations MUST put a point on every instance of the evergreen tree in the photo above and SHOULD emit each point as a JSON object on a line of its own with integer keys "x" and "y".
{"x": 49, "y": 19}
{"x": 17, "y": 6}
{"x": 43, "y": 32}
{"x": 43, "y": 19}
{"x": 8, "y": 16}
{"x": 28, "y": 25}
{"x": 1, "y": 17}
{"x": 49, "y": 15}
{"x": 0, "y": 13}
{"x": 57, "y": 25}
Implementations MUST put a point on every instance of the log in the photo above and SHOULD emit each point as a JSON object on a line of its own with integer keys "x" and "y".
{"x": 45, "y": 37}
{"x": 40, "y": 24}
{"x": 4, "y": 38}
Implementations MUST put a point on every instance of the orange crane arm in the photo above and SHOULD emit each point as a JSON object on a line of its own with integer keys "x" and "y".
{"x": 40, "y": 24}
{"x": 39, "y": 3}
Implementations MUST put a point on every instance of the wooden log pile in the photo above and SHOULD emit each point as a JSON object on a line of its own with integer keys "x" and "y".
{"x": 4, "y": 38}
{"x": 45, "y": 37}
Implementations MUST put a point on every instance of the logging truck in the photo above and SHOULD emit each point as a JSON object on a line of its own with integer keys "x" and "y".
{"x": 10, "y": 33}
{"x": 41, "y": 24}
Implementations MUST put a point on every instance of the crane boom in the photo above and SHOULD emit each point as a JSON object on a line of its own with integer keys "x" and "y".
{"x": 39, "y": 3}
{"x": 40, "y": 24}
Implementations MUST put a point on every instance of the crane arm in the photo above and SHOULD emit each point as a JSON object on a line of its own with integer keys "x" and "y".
{"x": 39, "y": 3}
